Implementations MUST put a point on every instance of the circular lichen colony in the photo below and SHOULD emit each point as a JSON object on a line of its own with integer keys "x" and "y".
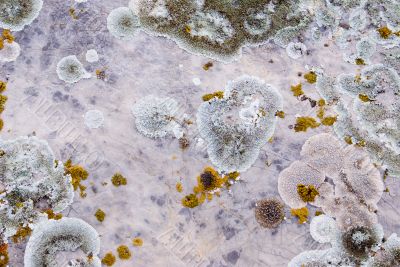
{"x": 156, "y": 117}
{"x": 71, "y": 70}
{"x": 237, "y": 125}
{"x": 15, "y": 14}
{"x": 123, "y": 23}
{"x": 51, "y": 237}
{"x": 269, "y": 213}
{"x": 219, "y": 29}
{"x": 33, "y": 182}
{"x": 359, "y": 240}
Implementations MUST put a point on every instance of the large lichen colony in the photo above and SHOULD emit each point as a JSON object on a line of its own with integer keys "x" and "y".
{"x": 326, "y": 142}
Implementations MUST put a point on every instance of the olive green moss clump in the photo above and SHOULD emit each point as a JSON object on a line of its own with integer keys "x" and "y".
{"x": 219, "y": 29}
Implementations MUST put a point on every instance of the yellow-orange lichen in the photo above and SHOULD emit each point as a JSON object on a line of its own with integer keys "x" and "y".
{"x": 109, "y": 259}
{"x": 100, "y": 215}
{"x": 78, "y": 174}
{"x": 179, "y": 187}
{"x": 118, "y": 179}
{"x": 4, "y": 258}
{"x": 303, "y": 123}
{"x": 22, "y": 233}
{"x": 311, "y": 77}
{"x": 217, "y": 94}
{"x": 137, "y": 242}
{"x": 280, "y": 114}
{"x": 307, "y": 193}
{"x": 297, "y": 90}
{"x": 301, "y": 214}
{"x": 124, "y": 252}
{"x": 52, "y": 216}
{"x": 208, "y": 65}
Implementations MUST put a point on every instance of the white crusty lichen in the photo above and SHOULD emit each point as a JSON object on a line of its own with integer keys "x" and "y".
{"x": 237, "y": 125}
{"x": 15, "y": 14}
{"x": 296, "y": 50}
{"x": 156, "y": 117}
{"x": 123, "y": 23}
{"x": 71, "y": 70}
{"x": 51, "y": 237}
{"x": 323, "y": 229}
{"x": 91, "y": 56}
{"x": 94, "y": 119}
{"x": 32, "y": 182}
{"x": 10, "y": 52}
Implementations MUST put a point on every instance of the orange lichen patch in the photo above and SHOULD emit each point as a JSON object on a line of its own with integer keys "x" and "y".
{"x": 348, "y": 140}
{"x": 303, "y": 123}
{"x": 78, "y": 174}
{"x": 52, "y": 216}
{"x": 117, "y": 179}
{"x": 179, "y": 187}
{"x": 208, "y": 65}
{"x": 301, "y": 214}
{"x": 190, "y": 201}
{"x": 280, "y": 114}
{"x": 101, "y": 74}
{"x": 384, "y": 32}
{"x": 364, "y": 98}
{"x": 124, "y": 252}
{"x": 21, "y": 234}
{"x": 311, "y": 77}
{"x": 4, "y": 258}
{"x": 360, "y": 61}
{"x": 8, "y": 36}
{"x": 307, "y": 193}
{"x": 108, "y": 259}
{"x": 137, "y": 242}
{"x": 3, "y": 86}
{"x": 187, "y": 29}
{"x": 329, "y": 121}
{"x": 217, "y": 94}
{"x": 208, "y": 181}
{"x": 100, "y": 215}
{"x": 297, "y": 90}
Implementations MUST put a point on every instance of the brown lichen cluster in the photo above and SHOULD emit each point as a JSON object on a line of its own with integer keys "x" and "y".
{"x": 209, "y": 183}
{"x": 78, "y": 174}
{"x": 118, "y": 179}
{"x": 310, "y": 77}
{"x": 208, "y": 65}
{"x": 301, "y": 214}
{"x": 217, "y": 94}
{"x": 269, "y": 212}
{"x": 307, "y": 193}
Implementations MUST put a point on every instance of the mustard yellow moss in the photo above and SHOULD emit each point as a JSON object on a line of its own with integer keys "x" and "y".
{"x": 109, "y": 259}
{"x": 179, "y": 187}
{"x": 301, "y": 214}
{"x": 117, "y": 179}
{"x": 361, "y": 143}
{"x": 208, "y": 65}
{"x": 52, "y": 216}
{"x": 21, "y": 234}
{"x": 190, "y": 201}
{"x": 311, "y": 77}
{"x": 124, "y": 252}
{"x": 78, "y": 174}
{"x": 364, "y": 98}
{"x": 297, "y": 90}
{"x": 217, "y": 94}
{"x": 280, "y": 114}
{"x": 307, "y": 193}
{"x": 329, "y": 121}
{"x": 360, "y": 61}
{"x": 137, "y": 242}
{"x": 4, "y": 258}
{"x": 385, "y": 32}
{"x": 303, "y": 123}
{"x": 100, "y": 215}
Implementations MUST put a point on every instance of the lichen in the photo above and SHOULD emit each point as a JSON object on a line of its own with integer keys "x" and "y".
{"x": 297, "y": 90}
{"x": 124, "y": 253}
{"x": 307, "y": 193}
{"x": 78, "y": 174}
{"x": 301, "y": 214}
{"x": 109, "y": 259}
{"x": 311, "y": 77}
{"x": 137, "y": 242}
{"x": 304, "y": 123}
{"x": 100, "y": 215}
{"x": 179, "y": 187}
{"x": 217, "y": 94}
{"x": 118, "y": 179}
{"x": 384, "y": 32}
{"x": 190, "y": 201}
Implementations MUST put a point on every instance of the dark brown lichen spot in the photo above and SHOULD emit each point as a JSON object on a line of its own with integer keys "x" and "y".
{"x": 269, "y": 212}
{"x": 359, "y": 240}
{"x": 183, "y": 142}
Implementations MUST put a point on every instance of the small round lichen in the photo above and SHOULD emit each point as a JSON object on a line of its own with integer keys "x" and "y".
{"x": 124, "y": 253}
{"x": 94, "y": 119}
{"x": 123, "y": 23}
{"x": 71, "y": 70}
{"x": 269, "y": 212}
{"x": 307, "y": 192}
{"x": 137, "y": 242}
{"x": 100, "y": 215}
{"x": 109, "y": 259}
{"x": 118, "y": 179}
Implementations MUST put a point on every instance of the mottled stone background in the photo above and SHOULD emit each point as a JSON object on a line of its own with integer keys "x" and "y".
{"x": 220, "y": 233}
